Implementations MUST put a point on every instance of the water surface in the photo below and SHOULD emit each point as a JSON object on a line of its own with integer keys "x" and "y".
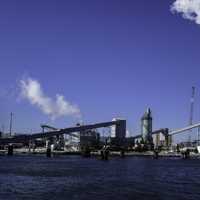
{"x": 73, "y": 177}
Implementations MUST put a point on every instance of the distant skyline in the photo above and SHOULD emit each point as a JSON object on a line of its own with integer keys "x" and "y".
{"x": 100, "y": 59}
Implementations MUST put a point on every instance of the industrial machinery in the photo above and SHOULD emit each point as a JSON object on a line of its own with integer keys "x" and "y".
{"x": 120, "y": 130}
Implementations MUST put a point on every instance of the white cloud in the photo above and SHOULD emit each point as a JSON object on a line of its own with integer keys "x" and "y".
{"x": 190, "y": 9}
{"x": 32, "y": 91}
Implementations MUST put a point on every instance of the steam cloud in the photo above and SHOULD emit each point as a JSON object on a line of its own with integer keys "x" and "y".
{"x": 190, "y": 9}
{"x": 32, "y": 91}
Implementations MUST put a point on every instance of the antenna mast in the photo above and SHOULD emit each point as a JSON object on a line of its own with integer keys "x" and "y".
{"x": 191, "y": 111}
{"x": 192, "y": 106}
{"x": 11, "y": 121}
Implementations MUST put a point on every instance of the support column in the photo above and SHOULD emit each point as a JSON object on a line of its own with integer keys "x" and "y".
{"x": 48, "y": 152}
{"x": 48, "y": 149}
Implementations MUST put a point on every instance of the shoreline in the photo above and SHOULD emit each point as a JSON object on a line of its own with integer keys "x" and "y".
{"x": 97, "y": 153}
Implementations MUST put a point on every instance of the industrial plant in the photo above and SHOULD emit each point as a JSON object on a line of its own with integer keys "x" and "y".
{"x": 88, "y": 140}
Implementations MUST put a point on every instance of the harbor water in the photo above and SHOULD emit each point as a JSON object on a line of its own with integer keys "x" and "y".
{"x": 74, "y": 177}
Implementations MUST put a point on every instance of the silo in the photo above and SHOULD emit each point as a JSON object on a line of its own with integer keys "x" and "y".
{"x": 146, "y": 126}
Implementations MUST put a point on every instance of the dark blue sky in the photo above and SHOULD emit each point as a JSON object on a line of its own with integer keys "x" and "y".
{"x": 112, "y": 58}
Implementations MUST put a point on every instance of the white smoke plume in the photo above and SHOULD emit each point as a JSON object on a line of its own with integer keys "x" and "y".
{"x": 190, "y": 9}
{"x": 32, "y": 91}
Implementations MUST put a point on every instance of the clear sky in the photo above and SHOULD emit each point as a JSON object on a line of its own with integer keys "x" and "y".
{"x": 112, "y": 58}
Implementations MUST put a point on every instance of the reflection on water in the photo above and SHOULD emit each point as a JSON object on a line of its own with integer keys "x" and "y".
{"x": 72, "y": 177}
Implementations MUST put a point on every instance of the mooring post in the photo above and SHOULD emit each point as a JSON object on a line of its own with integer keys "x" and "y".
{"x": 104, "y": 153}
{"x": 48, "y": 152}
{"x": 10, "y": 150}
{"x": 155, "y": 154}
{"x": 122, "y": 153}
